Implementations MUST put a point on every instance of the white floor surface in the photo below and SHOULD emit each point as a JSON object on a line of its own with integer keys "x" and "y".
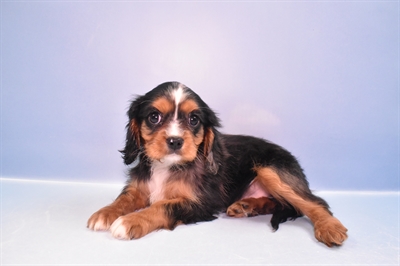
{"x": 44, "y": 223}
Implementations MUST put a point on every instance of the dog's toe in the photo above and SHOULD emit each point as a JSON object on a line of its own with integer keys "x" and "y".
{"x": 119, "y": 230}
{"x": 240, "y": 209}
{"x": 331, "y": 232}
{"x": 102, "y": 219}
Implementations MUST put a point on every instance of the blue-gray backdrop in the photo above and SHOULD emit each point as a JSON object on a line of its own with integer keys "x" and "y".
{"x": 321, "y": 78}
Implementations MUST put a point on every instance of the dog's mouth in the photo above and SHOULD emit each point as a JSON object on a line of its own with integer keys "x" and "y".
{"x": 171, "y": 158}
{"x": 178, "y": 153}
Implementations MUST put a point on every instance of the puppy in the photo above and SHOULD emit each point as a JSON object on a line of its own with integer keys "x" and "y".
{"x": 187, "y": 171}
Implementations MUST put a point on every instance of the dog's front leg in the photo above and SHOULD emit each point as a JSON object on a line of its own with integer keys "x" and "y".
{"x": 133, "y": 197}
{"x": 138, "y": 224}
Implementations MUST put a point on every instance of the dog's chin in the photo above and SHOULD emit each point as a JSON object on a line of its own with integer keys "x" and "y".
{"x": 171, "y": 159}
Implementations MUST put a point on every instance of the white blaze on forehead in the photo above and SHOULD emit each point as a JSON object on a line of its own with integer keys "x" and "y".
{"x": 174, "y": 130}
{"x": 178, "y": 95}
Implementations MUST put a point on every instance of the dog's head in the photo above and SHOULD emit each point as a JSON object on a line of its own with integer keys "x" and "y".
{"x": 170, "y": 124}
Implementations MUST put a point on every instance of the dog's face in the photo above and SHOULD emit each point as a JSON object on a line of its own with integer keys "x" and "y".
{"x": 170, "y": 124}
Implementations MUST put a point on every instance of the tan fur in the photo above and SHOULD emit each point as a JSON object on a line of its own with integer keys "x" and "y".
{"x": 155, "y": 143}
{"x": 208, "y": 141}
{"x": 163, "y": 105}
{"x": 139, "y": 224}
{"x": 188, "y": 106}
{"x": 179, "y": 189}
{"x": 190, "y": 146}
{"x": 134, "y": 127}
{"x": 198, "y": 139}
{"x": 135, "y": 198}
{"x": 251, "y": 207}
{"x": 327, "y": 228}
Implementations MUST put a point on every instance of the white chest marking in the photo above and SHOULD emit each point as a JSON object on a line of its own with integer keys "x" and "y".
{"x": 157, "y": 182}
{"x": 159, "y": 176}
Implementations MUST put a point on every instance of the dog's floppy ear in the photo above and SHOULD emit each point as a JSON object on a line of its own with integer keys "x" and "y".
{"x": 212, "y": 149}
{"x": 208, "y": 150}
{"x": 133, "y": 142}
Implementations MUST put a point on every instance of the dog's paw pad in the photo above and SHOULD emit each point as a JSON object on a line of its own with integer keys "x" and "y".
{"x": 240, "y": 209}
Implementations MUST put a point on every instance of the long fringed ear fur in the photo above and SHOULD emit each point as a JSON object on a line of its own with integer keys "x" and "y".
{"x": 209, "y": 137}
{"x": 212, "y": 148}
{"x": 133, "y": 143}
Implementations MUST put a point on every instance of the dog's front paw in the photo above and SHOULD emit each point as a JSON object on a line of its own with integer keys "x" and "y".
{"x": 130, "y": 226}
{"x": 331, "y": 232}
{"x": 103, "y": 218}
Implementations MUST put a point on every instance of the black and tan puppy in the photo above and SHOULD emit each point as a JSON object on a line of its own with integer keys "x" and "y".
{"x": 187, "y": 172}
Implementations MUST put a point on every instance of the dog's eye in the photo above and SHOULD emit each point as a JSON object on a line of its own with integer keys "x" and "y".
{"x": 155, "y": 118}
{"x": 194, "y": 120}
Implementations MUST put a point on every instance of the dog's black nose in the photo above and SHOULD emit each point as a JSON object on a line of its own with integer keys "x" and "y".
{"x": 175, "y": 143}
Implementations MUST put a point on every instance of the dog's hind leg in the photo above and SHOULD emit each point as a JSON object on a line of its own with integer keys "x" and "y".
{"x": 293, "y": 190}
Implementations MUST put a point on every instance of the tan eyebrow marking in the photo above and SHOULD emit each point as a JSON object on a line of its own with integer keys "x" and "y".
{"x": 188, "y": 106}
{"x": 163, "y": 105}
